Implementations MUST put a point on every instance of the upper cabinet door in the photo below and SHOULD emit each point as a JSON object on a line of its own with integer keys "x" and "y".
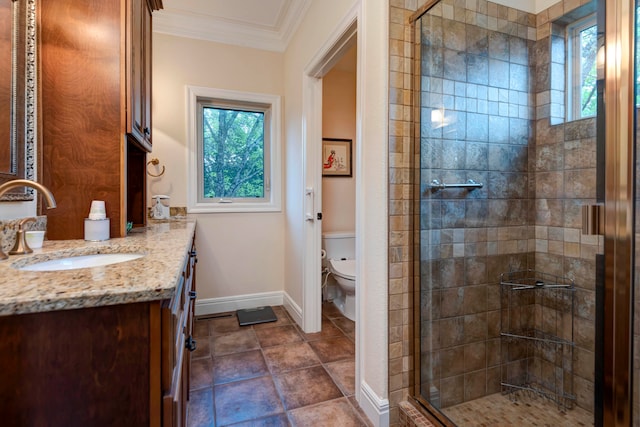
{"x": 139, "y": 73}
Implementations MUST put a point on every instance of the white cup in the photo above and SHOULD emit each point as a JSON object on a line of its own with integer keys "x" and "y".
{"x": 97, "y": 210}
{"x": 34, "y": 239}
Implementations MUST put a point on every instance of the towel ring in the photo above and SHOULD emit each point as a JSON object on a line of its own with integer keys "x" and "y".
{"x": 154, "y": 162}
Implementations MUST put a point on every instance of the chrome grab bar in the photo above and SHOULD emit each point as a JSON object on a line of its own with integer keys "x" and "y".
{"x": 469, "y": 185}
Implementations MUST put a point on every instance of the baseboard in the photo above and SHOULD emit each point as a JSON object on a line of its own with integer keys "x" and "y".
{"x": 292, "y": 308}
{"x": 237, "y": 302}
{"x": 376, "y": 409}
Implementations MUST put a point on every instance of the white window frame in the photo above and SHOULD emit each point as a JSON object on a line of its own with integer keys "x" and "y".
{"x": 273, "y": 198}
{"x": 574, "y": 85}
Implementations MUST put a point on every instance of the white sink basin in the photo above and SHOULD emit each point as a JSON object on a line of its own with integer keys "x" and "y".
{"x": 82, "y": 261}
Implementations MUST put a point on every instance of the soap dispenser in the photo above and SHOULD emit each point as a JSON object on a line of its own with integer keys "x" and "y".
{"x": 161, "y": 207}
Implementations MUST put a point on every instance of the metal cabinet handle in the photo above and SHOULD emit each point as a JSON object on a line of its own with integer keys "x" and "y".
{"x": 190, "y": 343}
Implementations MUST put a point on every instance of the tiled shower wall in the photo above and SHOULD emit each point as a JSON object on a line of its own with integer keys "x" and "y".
{"x": 527, "y": 217}
{"x": 476, "y": 123}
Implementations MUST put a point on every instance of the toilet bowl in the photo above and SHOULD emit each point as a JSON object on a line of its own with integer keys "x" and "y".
{"x": 344, "y": 271}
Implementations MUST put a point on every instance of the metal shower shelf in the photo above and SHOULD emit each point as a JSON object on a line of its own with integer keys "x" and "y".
{"x": 536, "y": 328}
{"x": 532, "y": 279}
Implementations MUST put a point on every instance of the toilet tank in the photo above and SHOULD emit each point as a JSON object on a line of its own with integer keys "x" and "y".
{"x": 339, "y": 244}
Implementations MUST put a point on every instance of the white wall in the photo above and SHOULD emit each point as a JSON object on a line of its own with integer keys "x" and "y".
{"x": 238, "y": 253}
{"x": 15, "y": 210}
{"x": 339, "y": 121}
{"x": 372, "y": 201}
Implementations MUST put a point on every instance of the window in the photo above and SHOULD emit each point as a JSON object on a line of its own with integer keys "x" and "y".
{"x": 234, "y": 151}
{"x": 582, "y": 91}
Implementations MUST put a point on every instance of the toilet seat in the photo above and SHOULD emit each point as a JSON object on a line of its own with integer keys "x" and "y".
{"x": 344, "y": 268}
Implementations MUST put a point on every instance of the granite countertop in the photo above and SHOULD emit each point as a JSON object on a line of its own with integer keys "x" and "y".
{"x": 152, "y": 277}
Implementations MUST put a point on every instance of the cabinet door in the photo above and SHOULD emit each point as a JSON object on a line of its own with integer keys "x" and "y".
{"x": 139, "y": 73}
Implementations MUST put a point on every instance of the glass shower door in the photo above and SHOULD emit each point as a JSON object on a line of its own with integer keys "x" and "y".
{"x": 507, "y": 286}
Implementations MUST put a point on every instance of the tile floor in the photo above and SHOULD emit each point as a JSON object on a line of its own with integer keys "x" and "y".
{"x": 525, "y": 411}
{"x": 273, "y": 374}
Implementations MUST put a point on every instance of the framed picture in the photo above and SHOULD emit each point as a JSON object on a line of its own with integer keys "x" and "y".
{"x": 336, "y": 157}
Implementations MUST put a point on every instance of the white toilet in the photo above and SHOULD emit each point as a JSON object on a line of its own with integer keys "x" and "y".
{"x": 340, "y": 248}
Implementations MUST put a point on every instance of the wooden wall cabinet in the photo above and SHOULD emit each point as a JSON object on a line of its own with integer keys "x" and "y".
{"x": 122, "y": 365}
{"x": 95, "y": 109}
{"x": 139, "y": 73}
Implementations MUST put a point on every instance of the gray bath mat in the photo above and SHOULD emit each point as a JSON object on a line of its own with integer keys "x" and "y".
{"x": 252, "y": 316}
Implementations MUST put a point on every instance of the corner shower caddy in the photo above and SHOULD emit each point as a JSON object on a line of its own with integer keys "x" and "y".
{"x": 537, "y": 336}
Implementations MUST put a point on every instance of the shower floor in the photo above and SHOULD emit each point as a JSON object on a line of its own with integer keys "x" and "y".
{"x": 499, "y": 410}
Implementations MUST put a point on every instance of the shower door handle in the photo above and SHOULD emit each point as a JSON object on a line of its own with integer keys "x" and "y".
{"x": 309, "y": 204}
{"x": 593, "y": 219}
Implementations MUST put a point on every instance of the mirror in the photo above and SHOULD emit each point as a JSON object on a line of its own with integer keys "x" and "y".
{"x": 17, "y": 94}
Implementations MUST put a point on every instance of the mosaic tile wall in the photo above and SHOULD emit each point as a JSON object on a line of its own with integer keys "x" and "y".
{"x": 522, "y": 218}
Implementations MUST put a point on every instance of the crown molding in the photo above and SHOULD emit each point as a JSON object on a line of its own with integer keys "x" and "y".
{"x": 204, "y": 27}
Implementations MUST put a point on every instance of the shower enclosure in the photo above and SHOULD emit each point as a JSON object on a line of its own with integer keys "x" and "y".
{"x": 521, "y": 295}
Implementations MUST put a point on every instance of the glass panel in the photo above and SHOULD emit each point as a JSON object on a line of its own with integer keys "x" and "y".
{"x": 233, "y": 144}
{"x": 507, "y": 279}
{"x": 588, "y": 89}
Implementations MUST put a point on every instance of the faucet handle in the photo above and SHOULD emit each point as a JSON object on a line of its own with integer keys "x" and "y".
{"x": 21, "y": 247}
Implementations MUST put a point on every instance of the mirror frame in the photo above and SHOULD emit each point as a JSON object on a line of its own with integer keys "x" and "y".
{"x": 24, "y": 99}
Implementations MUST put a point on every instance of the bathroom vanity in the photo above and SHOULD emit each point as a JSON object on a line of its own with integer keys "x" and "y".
{"x": 100, "y": 346}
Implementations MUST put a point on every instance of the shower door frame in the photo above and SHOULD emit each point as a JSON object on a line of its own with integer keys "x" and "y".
{"x": 618, "y": 209}
{"x": 615, "y": 382}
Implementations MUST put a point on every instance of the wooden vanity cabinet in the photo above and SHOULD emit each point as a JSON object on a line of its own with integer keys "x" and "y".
{"x": 121, "y": 365}
{"x": 95, "y": 105}
{"x": 177, "y": 345}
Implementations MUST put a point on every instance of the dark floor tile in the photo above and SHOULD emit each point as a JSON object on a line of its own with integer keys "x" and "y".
{"x": 334, "y": 413}
{"x": 201, "y": 373}
{"x": 306, "y": 386}
{"x": 333, "y": 349}
{"x": 273, "y": 421}
{"x": 283, "y": 319}
{"x": 328, "y": 329}
{"x": 291, "y": 356}
{"x": 239, "y": 366}
{"x": 234, "y": 342}
{"x": 201, "y": 328}
{"x": 278, "y": 336}
{"x": 347, "y": 326}
{"x": 246, "y": 400}
{"x": 329, "y": 310}
{"x": 202, "y": 347}
{"x": 201, "y": 408}
{"x": 344, "y": 375}
{"x": 223, "y": 325}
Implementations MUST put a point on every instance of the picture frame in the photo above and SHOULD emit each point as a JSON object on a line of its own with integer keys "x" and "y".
{"x": 336, "y": 157}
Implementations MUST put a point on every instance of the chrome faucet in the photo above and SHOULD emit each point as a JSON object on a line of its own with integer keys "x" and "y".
{"x": 48, "y": 196}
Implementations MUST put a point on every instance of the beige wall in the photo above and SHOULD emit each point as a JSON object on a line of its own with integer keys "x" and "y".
{"x": 239, "y": 253}
{"x": 339, "y": 121}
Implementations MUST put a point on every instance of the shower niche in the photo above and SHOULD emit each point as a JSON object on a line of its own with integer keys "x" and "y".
{"x": 537, "y": 336}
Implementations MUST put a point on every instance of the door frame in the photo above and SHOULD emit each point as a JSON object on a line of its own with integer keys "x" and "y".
{"x": 619, "y": 233}
{"x": 342, "y": 38}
